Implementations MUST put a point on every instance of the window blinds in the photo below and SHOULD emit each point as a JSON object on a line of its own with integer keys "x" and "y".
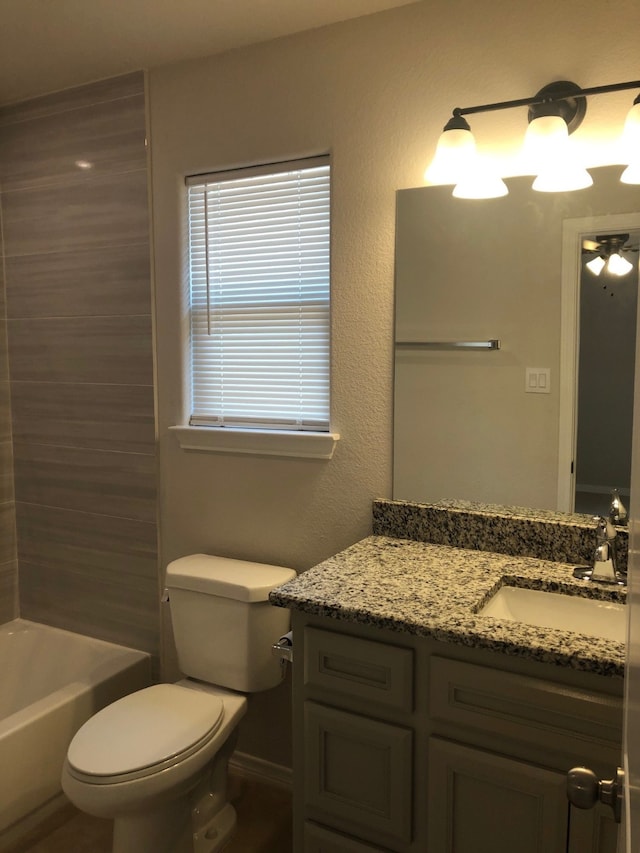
{"x": 259, "y": 284}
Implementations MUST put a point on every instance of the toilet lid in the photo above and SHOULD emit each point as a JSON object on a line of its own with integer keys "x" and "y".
{"x": 154, "y": 726}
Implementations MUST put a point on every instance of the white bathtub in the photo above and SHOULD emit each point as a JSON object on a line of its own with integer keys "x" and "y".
{"x": 51, "y": 681}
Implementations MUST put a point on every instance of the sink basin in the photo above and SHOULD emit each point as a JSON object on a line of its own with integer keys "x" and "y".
{"x": 554, "y": 610}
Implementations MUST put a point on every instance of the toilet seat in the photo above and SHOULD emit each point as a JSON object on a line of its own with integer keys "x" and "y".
{"x": 157, "y": 728}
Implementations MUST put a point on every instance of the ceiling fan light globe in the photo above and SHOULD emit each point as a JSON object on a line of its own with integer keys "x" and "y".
{"x": 596, "y": 265}
{"x": 617, "y": 265}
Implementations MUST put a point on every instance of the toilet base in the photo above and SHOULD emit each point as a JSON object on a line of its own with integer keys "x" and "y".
{"x": 170, "y": 830}
{"x": 165, "y": 830}
{"x": 215, "y": 835}
{"x": 198, "y": 821}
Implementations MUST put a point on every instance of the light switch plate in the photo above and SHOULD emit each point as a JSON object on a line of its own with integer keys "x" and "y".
{"x": 538, "y": 380}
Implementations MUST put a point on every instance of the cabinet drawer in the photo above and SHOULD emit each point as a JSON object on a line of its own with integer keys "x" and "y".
{"x": 358, "y": 774}
{"x": 361, "y": 669}
{"x": 318, "y": 839}
{"x": 532, "y": 710}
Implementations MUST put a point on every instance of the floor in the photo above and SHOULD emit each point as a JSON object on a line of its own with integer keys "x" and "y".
{"x": 264, "y": 825}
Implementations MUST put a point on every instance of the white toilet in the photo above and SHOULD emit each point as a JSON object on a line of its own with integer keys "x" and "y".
{"x": 156, "y": 761}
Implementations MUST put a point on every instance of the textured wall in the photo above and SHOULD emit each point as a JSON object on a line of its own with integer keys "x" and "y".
{"x": 73, "y": 172}
{"x": 376, "y": 93}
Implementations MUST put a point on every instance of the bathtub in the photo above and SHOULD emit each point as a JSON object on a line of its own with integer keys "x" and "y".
{"x": 51, "y": 682}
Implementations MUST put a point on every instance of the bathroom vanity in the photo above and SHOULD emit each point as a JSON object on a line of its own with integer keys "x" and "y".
{"x": 422, "y": 725}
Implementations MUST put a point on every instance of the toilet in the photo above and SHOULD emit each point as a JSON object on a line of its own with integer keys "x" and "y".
{"x": 155, "y": 761}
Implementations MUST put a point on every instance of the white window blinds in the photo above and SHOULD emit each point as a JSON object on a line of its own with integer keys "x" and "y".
{"x": 259, "y": 279}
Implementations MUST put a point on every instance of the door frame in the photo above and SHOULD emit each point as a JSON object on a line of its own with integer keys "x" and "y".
{"x": 573, "y": 230}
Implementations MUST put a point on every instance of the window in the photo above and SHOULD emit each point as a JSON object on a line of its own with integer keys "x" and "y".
{"x": 259, "y": 297}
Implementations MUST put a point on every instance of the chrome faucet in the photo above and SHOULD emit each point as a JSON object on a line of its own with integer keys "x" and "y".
{"x": 604, "y": 559}
{"x": 605, "y": 568}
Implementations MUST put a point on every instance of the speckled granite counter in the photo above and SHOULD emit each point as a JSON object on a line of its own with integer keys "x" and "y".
{"x": 435, "y": 591}
{"x": 558, "y": 536}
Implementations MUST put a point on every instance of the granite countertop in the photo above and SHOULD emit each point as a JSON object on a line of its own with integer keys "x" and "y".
{"x": 435, "y": 591}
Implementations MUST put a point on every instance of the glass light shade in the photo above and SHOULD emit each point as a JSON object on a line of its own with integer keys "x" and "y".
{"x": 562, "y": 178}
{"x": 547, "y": 147}
{"x": 454, "y": 153}
{"x": 596, "y": 265}
{"x": 630, "y": 144}
{"x": 480, "y": 182}
{"x": 631, "y": 174}
{"x": 545, "y": 136}
{"x": 631, "y": 133}
{"x": 617, "y": 265}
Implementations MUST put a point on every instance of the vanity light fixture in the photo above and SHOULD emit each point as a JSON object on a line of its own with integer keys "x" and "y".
{"x": 554, "y": 113}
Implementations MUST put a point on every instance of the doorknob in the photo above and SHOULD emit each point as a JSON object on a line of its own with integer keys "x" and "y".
{"x": 584, "y": 790}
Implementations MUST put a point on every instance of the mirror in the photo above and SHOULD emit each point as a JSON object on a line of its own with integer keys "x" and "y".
{"x": 467, "y": 422}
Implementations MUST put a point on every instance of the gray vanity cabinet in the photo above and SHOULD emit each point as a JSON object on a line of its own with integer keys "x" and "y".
{"x": 407, "y": 745}
{"x": 358, "y": 767}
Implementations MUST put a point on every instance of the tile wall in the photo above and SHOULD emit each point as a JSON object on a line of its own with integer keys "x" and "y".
{"x": 8, "y": 560}
{"x": 73, "y": 194}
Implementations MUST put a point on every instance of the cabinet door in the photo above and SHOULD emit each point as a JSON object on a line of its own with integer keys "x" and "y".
{"x": 358, "y": 775}
{"x": 318, "y": 839}
{"x": 480, "y": 802}
{"x": 593, "y": 831}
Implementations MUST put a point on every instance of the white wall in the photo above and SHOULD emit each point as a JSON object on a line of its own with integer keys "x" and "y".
{"x": 375, "y": 92}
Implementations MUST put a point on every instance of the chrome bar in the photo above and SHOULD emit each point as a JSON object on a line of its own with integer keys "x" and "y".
{"x": 464, "y": 345}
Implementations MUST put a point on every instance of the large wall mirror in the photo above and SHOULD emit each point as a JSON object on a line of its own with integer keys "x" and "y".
{"x": 545, "y": 420}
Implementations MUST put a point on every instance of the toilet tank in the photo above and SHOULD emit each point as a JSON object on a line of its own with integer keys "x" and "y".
{"x": 223, "y": 624}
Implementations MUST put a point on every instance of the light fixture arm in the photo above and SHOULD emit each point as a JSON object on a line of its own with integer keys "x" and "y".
{"x": 547, "y": 98}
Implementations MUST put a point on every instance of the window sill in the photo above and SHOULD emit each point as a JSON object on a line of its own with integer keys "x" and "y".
{"x": 303, "y": 445}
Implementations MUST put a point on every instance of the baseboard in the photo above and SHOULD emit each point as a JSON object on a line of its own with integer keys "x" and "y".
{"x": 250, "y": 767}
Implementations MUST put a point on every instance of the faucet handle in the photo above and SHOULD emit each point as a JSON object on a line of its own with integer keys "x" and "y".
{"x": 617, "y": 510}
{"x": 604, "y": 558}
{"x": 605, "y": 531}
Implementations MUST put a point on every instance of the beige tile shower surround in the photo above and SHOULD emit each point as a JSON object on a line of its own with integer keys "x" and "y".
{"x": 8, "y": 562}
{"x": 73, "y": 192}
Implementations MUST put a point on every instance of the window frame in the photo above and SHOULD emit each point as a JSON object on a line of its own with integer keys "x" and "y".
{"x": 302, "y": 442}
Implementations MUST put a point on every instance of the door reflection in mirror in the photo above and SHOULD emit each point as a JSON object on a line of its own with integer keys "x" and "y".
{"x": 606, "y": 366}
